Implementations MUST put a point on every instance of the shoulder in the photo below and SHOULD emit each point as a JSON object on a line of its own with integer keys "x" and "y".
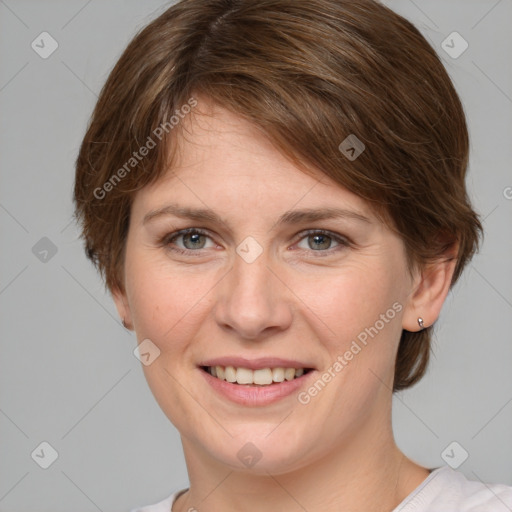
{"x": 162, "y": 506}
{"x": 447, "y": 490}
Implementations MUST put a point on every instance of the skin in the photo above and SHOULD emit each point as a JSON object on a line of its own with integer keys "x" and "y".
{"x": 301, "y": 298}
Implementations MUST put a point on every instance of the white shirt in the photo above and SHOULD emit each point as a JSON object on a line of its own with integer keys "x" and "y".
{"x": 444, "y": 490}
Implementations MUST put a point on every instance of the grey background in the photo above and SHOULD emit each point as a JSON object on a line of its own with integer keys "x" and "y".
{"x": 68, "y": 375}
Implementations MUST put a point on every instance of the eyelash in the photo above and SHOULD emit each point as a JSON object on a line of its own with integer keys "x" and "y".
{"x": 342, "y": 241}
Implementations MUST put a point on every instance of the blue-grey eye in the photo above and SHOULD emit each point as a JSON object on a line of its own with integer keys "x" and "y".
{"x": 319, "y": 241}
{"x": 193, "y": 240}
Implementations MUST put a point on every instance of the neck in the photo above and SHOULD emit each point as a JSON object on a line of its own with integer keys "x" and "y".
{"x": 365, "y": 472}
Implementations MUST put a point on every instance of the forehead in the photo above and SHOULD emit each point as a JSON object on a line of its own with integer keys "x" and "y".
{"x": 225, "y": 162}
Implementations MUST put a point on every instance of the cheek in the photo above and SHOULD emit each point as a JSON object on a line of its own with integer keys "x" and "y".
{"x": 356, "y": 316}
{"x": 165, "y": 305}
{"x": 350, "y": 299}
{"x": 167, "y": 308}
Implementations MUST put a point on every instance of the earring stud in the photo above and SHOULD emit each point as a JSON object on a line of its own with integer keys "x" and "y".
{"x": 420, "y": 322}
{"x": 124, "y": 324}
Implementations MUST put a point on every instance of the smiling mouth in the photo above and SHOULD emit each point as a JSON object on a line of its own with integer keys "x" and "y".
{"x": 261, "y": 377}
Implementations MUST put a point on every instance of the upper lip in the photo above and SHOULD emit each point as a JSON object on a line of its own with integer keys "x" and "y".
{"x": 255, "y": 364}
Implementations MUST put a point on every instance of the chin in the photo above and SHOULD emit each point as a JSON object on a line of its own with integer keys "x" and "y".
{"x": 254, "y": 451}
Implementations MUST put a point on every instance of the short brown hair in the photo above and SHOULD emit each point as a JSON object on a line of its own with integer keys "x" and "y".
{"x": 308, "y": 73}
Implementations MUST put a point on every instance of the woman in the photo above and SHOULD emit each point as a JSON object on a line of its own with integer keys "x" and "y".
{"x": 274, "y": 194}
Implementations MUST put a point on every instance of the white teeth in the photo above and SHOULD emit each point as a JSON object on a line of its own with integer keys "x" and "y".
{"x": 278, "y": 374}
{"x": 230, "y": 374}
{"x": 219, "y": 370}
{"x": 289, "y": 373}
{"x": 261, "y": 377}
{"x": 244, "y": 376}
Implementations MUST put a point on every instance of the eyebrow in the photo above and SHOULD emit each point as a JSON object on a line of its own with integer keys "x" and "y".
{"x": 289, "y": 217}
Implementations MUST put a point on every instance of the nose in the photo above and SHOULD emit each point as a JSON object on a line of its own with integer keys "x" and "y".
{"x": 252, "y": 301}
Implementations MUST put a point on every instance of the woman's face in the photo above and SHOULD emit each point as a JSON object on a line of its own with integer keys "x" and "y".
{"x": 262, "y": 286}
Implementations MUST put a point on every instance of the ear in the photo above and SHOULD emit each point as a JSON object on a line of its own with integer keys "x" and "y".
{"x": 430, "y": 288}
{"x": 122, "y": 306}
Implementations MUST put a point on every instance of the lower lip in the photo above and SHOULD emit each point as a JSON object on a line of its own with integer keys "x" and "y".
{"x": 256, "y": 395}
